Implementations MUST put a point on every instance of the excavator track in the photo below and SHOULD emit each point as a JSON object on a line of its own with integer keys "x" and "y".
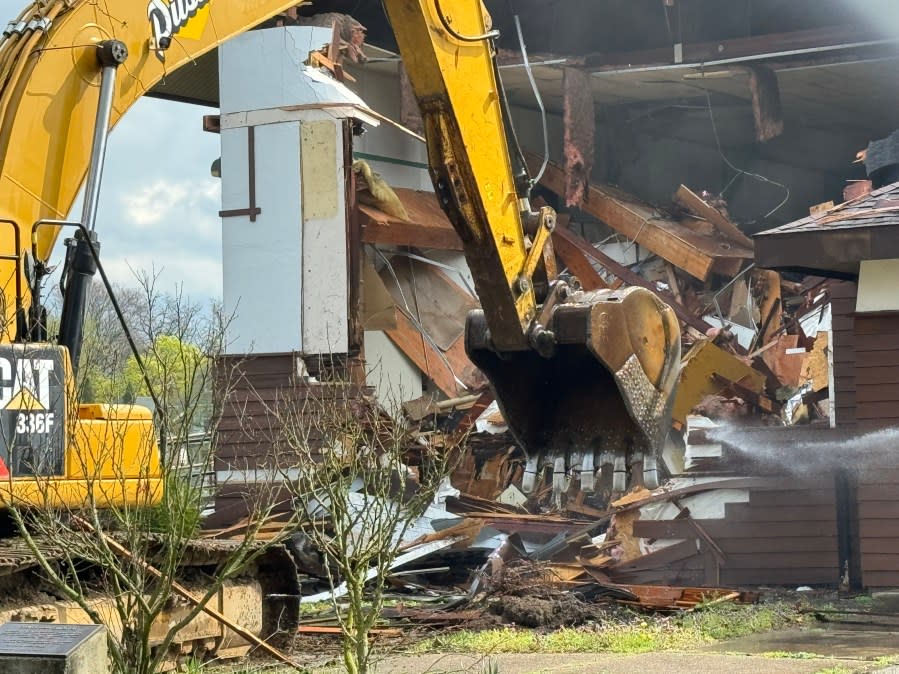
{"x": 264, "y": 599}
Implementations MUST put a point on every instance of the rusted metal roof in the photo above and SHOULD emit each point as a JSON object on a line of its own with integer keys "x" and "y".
{"x": 834, "y": 242}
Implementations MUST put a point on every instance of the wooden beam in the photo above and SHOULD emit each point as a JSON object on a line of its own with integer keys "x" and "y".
{"x": 695, "y": 254}
{"x": 427, "y": 227}
{"x": 578, "y": 264}
{"x": 626, "y": 275}
{"x": 407, "y": 338}
{"x": 693, "y": 202}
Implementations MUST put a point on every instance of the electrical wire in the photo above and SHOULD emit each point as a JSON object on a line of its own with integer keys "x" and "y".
{"x": 417, "y": 324}
{"x": 440, "y": 265}
{"x": 740, "y": 171}
{"x": 527, "y": 67}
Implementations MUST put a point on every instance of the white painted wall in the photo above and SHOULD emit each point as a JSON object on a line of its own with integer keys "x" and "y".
{"x": 381, "y": 92}
{"x": 261, "y": 69}
{"x": 285, "y": 275}
{"x": 394, "y": 377}
{"x": 262, "y": 275}
{"x": 878, "y": 281}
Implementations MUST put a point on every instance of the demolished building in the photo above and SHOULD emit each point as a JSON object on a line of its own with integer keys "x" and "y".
{"x": 674, "y": 133}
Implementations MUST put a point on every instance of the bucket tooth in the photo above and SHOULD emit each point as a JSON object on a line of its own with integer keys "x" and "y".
{"x": 650, "y": 472}
{"x": 560, "y": 479}
{"x": 619, "y": 474}
{"x": 588, "y": 473}
{"x": 609, "y": 380}
{"x": 529, "y": 479}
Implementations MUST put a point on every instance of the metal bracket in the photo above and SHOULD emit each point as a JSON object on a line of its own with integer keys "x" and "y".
{"x": 546, "y": 224}
{"x": 253, "y": 210}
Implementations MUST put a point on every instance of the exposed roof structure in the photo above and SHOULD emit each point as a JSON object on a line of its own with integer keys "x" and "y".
{"x": 832, "y": 243}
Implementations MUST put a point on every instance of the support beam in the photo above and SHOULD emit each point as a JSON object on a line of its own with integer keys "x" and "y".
{"x": 697, "y": 255}
{"x": 563, "y": 236}
{"x": 441, "y": 368}
{"x": 578, "y": 264}
{"x": 427, "y": 226}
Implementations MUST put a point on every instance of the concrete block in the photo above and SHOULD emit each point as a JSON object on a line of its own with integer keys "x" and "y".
{"x": 41, "y": 648}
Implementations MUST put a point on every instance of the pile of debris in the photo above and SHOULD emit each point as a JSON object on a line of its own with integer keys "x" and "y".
{"x": 755, "y": 347}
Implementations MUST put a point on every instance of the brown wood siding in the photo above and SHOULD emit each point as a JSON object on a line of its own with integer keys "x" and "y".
{"x": 877, "y": 371}
{"x": 878, "y": 514}
{"x": 782, "y": 536}
{"x": 258, "y": 389}
{"x": 843, "y": 310}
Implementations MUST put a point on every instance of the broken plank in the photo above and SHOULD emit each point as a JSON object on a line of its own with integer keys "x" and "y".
{"x": 427, "y": 227}
{"x": 695, "y": 254}
{"x": 703, "y": 534}
{"x": 407, "y": 338}
{"x": 326, "y": 629}
{"x": 629, "y": 277}
{"x": 577, "y": 263}
{"x": 695, "y": 203}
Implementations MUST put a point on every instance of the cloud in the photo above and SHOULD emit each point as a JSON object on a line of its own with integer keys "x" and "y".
{"x": 153, "y": 204}
{"x": 159, "y": 205}
{"x": 167, "y": 200}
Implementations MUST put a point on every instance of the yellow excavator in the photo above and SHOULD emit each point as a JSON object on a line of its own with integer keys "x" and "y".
{"x": 584, "y": 379}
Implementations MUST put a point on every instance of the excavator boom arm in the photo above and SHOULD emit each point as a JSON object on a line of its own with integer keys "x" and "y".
{"x": 448, "y": 55}
{"x": 50, "y": 86}
{"x": 583, "y": 379}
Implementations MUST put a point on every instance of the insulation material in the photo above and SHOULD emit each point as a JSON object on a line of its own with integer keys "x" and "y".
{"x": 766, "y": 107}
{"x": 373, "y": 190}
{"x": 351, "y": 32}
{"x": 580, "y": 125}
{"x": 815, "y": 370}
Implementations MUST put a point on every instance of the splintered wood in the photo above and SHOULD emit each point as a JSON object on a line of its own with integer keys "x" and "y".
{"x": 694, "y": 253}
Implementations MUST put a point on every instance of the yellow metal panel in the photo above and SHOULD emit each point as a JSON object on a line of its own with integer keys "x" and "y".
{"x": 697, "y": 380}
{"x": 318, "y": 168}
{"x": 112, "y": 448}
{"x": 53, "y": 493}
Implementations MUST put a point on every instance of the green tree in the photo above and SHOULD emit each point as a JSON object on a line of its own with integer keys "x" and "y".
{"x": 179, "y": 373}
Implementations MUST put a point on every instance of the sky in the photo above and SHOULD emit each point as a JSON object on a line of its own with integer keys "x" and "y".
{"x": 159, "y": 204}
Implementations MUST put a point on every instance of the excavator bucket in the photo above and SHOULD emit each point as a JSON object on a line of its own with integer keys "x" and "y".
{"x": 604, "y": 396}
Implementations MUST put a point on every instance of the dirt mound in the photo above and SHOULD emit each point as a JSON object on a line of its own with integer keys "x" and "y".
{"x": 562, "y": 610}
